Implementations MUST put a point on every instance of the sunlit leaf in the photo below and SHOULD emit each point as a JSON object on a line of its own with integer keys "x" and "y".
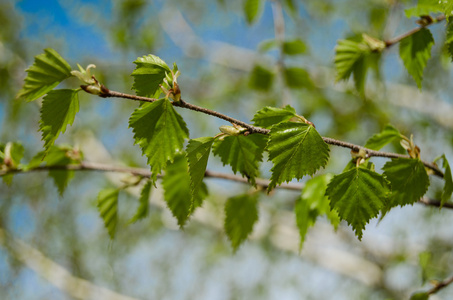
{"x": 426, "y": 8}
{"x": 415, "y": 50}
{"x": 358, "y": 195}
{"x": 178, "y": 190}
{"x": 148, "y": 75}
{"x": 197, "y": 155}
{"x": 143, "y": 207}
{"x": 296, "y": 149}
{"x": 270, "y": 116}
{"x": 348, "y": 56}
{"x": 386, "y": 136}
{"x": 159, "y": 131}
{"x": 107, "y": 203}
{"x": 408, "y": 179}
{"x": 58, "y": 110}
{"x": 242, "y": 153}
{"x": 48, "y": 70}
{"x": 241, "y": 214}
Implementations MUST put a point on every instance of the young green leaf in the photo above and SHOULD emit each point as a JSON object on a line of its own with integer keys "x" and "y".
{"x": 425, "y": 8}
{"x": 270, "y": 116}
{"x": 294, "y": 47}
{"x": 160, "y": 131}
{"x": 58, "y": 110}
{"x": 143, "y": 208}
{"x": 349, "y": 55}
{"x": 107, "y": 204}
{"x": 408, "y": 179}
{"x": 312, "y": 203}
{"x": 296, "y": 149}
{"x": 297, "y": 78}
{"x": 415, "y": 50}
{"x": 148, "y": 75}
{"x": 448, "y": 186}
{"x": 252, "y": 10}
{"x": 48, "y": 70}
{"x": 178, "y": 190}
{"x": 197, "y": 155}
{"x": 386, "y": 136}
{"x": 241, "y": 213}
{"x": 358, "y": 195}
{"x": 261, "y": 79}
{"x": 242, "y": 153}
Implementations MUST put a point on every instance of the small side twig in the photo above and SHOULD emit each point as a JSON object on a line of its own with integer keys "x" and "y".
{"x": 425, "y": 22}
{"x": 440, "y": 285}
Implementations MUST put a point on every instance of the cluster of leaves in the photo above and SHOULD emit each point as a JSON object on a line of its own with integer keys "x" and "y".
{"x": 356, "y": 55}
{"x": 294, "y": 147}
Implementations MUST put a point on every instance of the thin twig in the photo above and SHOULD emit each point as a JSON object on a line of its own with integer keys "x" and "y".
{"x": 260, "y": 182}
{"x": 90, "y": 166}
{"x": 440, "y": 285}
{"x": 428, "y": 21}
{"x": 255, "y": 129}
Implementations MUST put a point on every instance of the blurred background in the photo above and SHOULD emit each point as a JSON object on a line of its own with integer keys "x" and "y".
{"x": 56, "y": 247}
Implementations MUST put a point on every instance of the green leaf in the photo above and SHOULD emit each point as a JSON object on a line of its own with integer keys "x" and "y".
{"x": 408, "y": 179}
{"x": 261, "y": 79}
{"x": 148, "y": 75}
{"x": 420, "y": 296}
{"x": 48, "y": 70}
{"x": 296, "y": 149}
{"x": 252, "y": 10}
{"x": 241, "y": 214}
{"x": 448, "y": 186}
{"x": 415, "y": 50}
{"x": 425, "y": 8}
{"x": 107, "y": 204}
{"x": 358, "y": 195}
{"x": 386, "y": 136}
{"x": 143, "y": 208}
{"x": 349, "y": 56}
{"x": 294, "y": 47}
{"x": 312, "y": 203}
{"x": 197, "y": 155}
{"x": 160, "y": 131}
{"x": 178, "y": 190}
{"x": 297, "y": 78}
{"x": 58, "y": 110}
{"x": 242, "y": 153}
{"x": 270, "y": 116}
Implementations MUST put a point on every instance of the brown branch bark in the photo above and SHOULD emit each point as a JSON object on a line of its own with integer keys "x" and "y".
{"x": 425, "y": 22}
{"x": 260, "y": 182}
